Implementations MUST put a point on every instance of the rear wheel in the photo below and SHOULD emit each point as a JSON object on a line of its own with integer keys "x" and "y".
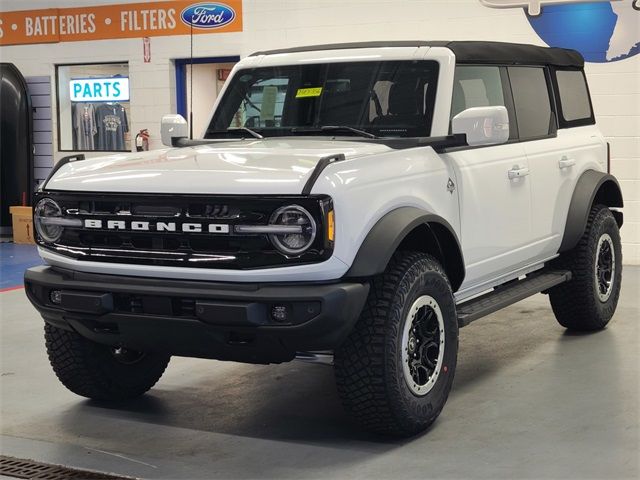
{"x": 395, "y": 370}
{"x": 99, "y": 371}
{"x": 588, "y": 301}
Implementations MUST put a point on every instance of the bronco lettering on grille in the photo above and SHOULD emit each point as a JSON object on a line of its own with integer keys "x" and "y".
{"x": 156, "y": 226}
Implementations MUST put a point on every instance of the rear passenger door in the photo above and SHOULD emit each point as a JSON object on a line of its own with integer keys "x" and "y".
{"x": 495, "y": 216}
{"x": 556, "y": 156}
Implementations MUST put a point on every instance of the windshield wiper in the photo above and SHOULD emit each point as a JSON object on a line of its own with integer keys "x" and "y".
{"x": 233, "y": 130}
{"x": 334, "y": 128}
{"x": 357, "y": 131}
{"x": 253, "y": 133}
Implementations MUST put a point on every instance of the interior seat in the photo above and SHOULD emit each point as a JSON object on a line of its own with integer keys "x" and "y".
{"x": 404, "y": 106}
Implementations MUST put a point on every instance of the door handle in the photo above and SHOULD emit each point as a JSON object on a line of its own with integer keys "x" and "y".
{"x": 517, "y": 172}
{"x": 566, "y": 162}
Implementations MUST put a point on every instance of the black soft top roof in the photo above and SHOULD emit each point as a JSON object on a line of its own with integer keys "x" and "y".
{"x": 469, "y": 52}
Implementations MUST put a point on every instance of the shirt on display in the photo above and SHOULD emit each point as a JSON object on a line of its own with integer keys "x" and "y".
{"x": 84, "y": 125}
{"x": 111, "y": 120}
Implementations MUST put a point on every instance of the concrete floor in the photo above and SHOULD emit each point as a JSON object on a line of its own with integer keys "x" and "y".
{"x": 14, "y": 260}
{"x": 529, "y": 401}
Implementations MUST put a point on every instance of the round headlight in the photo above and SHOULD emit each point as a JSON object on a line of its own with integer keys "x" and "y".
{"x": 299, "y": 239}
{"x": 45, "y": 210}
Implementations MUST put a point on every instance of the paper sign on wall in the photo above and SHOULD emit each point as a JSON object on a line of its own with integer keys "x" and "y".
{"x": 146, "y": 49}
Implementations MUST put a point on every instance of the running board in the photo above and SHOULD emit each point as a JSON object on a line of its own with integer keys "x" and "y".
{"x": 508, "y": 294}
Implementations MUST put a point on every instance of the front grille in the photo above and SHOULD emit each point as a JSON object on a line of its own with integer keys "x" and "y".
{"x": 163, "y": 240}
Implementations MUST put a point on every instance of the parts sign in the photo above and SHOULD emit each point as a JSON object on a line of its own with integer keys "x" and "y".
{"x": 133, "y": 20}
{"x": 111, "y": 89}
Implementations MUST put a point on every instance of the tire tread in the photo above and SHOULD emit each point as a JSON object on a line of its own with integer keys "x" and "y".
{"x": 360, "y": 370}
{"x": 81, "y": 367}
{"x": 574, "y": 303}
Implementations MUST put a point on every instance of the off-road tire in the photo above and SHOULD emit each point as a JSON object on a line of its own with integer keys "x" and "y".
{"x": 91, "y": 370}
{"x": 368, "y": 365}
{"x": 576, "y": 304}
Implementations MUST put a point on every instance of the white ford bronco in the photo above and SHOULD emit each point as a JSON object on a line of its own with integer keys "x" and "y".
{"x": 351, "y": 204}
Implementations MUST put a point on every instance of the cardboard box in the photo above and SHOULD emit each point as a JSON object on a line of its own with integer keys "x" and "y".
{"x": 22, "y": 224}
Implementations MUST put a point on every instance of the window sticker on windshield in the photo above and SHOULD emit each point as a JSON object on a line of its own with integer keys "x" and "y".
{"x": 309, "y": 92}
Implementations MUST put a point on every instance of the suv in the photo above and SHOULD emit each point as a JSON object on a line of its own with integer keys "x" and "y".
{"x": 350, "y": 204}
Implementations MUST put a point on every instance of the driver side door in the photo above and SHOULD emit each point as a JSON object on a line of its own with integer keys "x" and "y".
{"x": 493, "y": 185}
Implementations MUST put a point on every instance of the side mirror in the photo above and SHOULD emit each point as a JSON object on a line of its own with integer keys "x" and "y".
{"x": 173, "y": 127}
{"x": 483, "y": 125}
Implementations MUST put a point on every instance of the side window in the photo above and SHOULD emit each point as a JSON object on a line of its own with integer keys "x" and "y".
{"x": 476, "y": 87}
{"x": 532, "y": 101}
{"x": 575, "y": 106}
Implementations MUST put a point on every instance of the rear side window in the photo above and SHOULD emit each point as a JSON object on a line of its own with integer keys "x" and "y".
{"x": 476, "y": 87}
{"x": 532, "y": 102}
{"x": 575, "y": 105}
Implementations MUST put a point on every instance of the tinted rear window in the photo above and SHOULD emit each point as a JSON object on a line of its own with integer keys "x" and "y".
{"x": 574, "y": 95}
{"x": 532, "y": 101}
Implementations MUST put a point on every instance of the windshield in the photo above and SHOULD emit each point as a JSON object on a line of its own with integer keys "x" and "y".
{"x": 387, "y": 99}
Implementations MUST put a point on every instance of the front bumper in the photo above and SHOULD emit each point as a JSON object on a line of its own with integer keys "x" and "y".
{"x": 225, "y": 321}
{"x": 314, "y": 272}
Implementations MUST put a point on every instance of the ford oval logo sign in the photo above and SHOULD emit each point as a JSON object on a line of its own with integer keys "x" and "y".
{"x": 208, "y": 15}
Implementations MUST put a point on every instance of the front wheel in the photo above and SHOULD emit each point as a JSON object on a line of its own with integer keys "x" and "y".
{"x": 588, "y": 301}
{"x": 395, "y": 370}
{"x": 99, "y": 371}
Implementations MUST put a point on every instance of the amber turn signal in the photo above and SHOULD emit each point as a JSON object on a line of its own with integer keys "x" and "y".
{"x": 331, "y": 226}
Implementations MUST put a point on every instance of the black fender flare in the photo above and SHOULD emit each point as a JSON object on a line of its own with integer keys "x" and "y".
{"x": 592, "y": 186}
{"x": 387, "y": 234}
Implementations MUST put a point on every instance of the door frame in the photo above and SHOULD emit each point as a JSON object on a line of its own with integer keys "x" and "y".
{"x": 181, "y": 65}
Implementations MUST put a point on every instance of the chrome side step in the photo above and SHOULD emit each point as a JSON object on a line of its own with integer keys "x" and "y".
{"x": 508, "y": 294}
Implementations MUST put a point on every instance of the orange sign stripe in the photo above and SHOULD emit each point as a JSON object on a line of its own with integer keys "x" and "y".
{"x": 105, "y": 22}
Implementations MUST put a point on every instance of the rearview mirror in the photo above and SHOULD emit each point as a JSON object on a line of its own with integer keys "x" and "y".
{"x": 172, "y": 128}
{"x": 483, "y": 125}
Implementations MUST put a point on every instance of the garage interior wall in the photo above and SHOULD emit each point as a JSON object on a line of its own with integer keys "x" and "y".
{"x": 284, "y": 23}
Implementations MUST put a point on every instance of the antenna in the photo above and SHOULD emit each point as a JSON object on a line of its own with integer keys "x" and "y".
{"x": 191, "y": 82}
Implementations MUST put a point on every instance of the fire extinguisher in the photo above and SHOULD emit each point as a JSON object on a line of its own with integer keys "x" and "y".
{"x": 142, "y": 140}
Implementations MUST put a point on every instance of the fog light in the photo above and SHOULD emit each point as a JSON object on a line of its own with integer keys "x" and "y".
{"x": 55, "y": 296}
{"x": 279, "y": 313}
